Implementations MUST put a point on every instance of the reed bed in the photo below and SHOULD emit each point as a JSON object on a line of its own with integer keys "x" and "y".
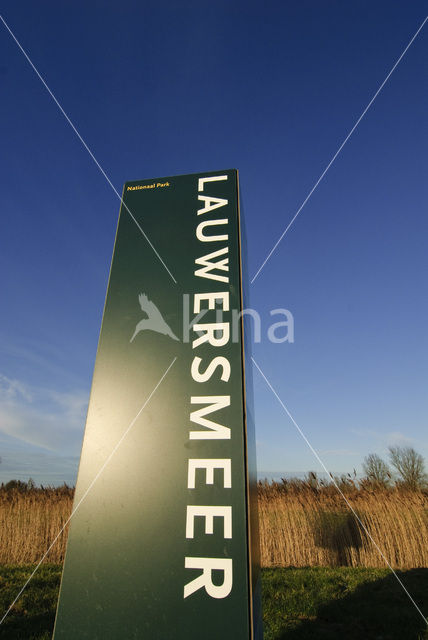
{"x": 29, "y": 522}
{"x": 301, "y": 525}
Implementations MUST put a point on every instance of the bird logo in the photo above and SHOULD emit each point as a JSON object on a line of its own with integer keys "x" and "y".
{"x": 154, "y": 320}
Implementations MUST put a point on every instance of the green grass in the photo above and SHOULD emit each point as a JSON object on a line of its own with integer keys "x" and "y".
{"x": 298, "y": 604}
{"x": 33, "y": 615}
{"x": 346, "y": 603}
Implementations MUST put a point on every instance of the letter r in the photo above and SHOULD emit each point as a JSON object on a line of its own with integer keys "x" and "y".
{"x": 208, "y": 565}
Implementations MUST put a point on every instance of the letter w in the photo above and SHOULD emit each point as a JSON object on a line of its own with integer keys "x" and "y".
{"x": 216, "y": 431}
{"x": 208, "y": 266}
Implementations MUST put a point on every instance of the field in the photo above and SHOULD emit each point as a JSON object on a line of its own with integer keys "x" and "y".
{"x": 29, "y": 522}
{"x": 300, "y": 526}
{"x": 298, "y": 604}
{"x": 323, "y": 577}
{"x": 303, "y": 526}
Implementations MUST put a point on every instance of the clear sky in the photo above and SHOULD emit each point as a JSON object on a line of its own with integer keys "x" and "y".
{"x": 272, "y": 89}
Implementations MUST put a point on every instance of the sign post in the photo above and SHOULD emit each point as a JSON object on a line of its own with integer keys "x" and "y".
{"x": 163, "y": 542}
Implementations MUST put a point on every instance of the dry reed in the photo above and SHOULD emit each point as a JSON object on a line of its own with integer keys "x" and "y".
{"x": 29, "y": 522}
{"x": 300, "y": 525}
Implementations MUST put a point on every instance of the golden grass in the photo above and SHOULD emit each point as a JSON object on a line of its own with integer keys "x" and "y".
{"x": 300, "y": 525}
{"x": 304, "y": 526}
{"x": 29, "y": 522}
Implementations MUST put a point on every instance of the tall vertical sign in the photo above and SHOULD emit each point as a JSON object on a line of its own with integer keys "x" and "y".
{"x": 163, "y": 542}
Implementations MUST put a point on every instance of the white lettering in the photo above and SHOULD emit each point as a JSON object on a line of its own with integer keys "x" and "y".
{"x": 202, "y": 181}
{"x": 210, "y": 223}
{"x": 187, "y": 323}
{"x": 212, "y": 298}
{"x": 208, "y": 565}
{"x": 210, "y": 329}
{"x": 208, "y": 266}
{"x": 218, "y": 202}
{"x": 220, "y": 361}
{"x": 209, "y": 465}
{"x": 216, "y": 431}
{"x": 209, "y": 513}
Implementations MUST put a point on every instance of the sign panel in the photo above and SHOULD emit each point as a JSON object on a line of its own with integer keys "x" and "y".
{"x": 164, "y": 542}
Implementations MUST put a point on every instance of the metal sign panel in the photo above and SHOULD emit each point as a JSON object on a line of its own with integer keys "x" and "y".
{"x": 163, "y": 541}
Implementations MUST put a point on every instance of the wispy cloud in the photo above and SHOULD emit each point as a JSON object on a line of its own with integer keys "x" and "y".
{"x": 43, "y": 417}
{"x": 397, "y": 438}
{"x": 12, "y": 389}
{"x": 38, "y": 355}
{"x": 386, "y": 439}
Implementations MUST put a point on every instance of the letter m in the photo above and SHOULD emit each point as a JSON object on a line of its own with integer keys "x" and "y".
{"x": 215, "y": 431}
{"x": 207, "y": 266}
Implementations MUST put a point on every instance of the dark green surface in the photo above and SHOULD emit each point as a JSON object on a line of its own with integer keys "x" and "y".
{"x": 298, "y": 604}
{"x": 124, "y": 571}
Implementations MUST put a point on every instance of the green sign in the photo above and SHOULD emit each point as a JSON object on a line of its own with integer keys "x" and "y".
{"x": 163, "y": 542}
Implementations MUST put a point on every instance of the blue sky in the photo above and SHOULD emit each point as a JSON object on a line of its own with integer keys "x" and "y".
{"x": 273, "y": 90}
